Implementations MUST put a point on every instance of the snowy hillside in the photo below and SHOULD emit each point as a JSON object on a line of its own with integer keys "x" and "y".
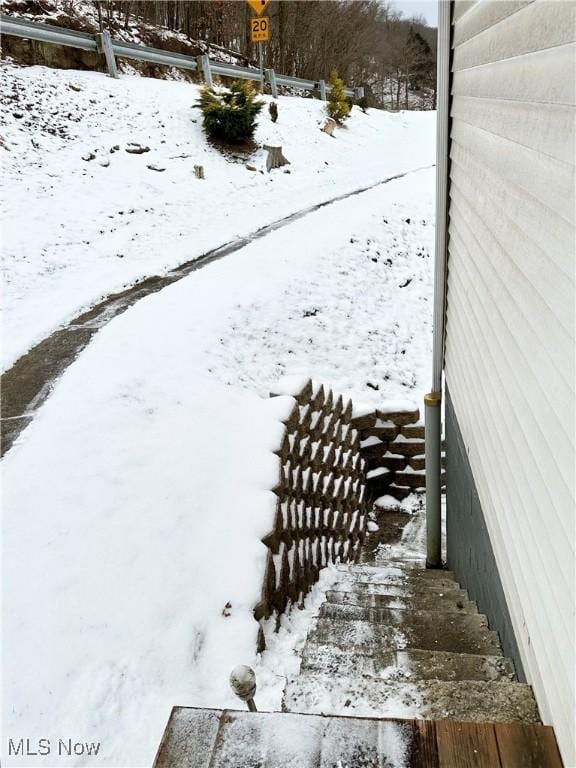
{"x": 152, "y": 461}
{"x": 82, "y": 16}
{"x": 141, "y": 489}
{"x": 83, "y": 219}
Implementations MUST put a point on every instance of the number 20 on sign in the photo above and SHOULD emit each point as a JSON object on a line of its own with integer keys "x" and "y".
{"x": 260, "y": 29}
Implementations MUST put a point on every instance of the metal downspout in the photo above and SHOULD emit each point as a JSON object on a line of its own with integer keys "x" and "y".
{"x": 433, "y": 400}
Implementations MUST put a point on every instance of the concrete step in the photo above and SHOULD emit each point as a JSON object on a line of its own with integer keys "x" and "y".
{"x": 425, "y": 602}
{"x": 400, "y": 589}
{"x": 410, "y": 585}
{"x": 398, "y": 617}
{"x": 430, "y": 699}
{"x": 358, "y": 604}
{"x": 400, "y": 566}
{"x": 455, "y": 633}
{"x": 396, "y": 574}
{"x": 407, "y": 564}
{"x": 409, "y": 665}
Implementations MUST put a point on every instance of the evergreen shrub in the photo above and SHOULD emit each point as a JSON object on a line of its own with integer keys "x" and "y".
{"x": 230, "y": 113}
{"x": 338, "y": 106}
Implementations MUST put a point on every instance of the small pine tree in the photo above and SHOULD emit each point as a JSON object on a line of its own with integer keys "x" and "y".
{"x": 338, "y": 107}
{"x": 273, "y": 110}
{"x": 363, "y": 103}
{"x": 230, "y": 113}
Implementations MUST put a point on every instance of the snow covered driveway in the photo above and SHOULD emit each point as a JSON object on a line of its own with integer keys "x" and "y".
{"x": 26, "y": 385}
{"x": 83, "y": 217}
{"x": 135, "y": 501}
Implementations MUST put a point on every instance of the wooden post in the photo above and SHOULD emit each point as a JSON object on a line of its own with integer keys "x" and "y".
{"x": 322, "y": 86}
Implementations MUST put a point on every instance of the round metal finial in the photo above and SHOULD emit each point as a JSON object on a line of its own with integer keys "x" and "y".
{"x": 243, "y": 683}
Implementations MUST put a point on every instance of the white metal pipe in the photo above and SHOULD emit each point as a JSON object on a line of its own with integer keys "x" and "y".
{"x": 442, "y": 127}
{"x": 433, "y": 401}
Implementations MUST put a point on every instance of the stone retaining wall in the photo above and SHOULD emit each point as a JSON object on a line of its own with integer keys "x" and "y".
{"x": 322, "y": 508}
{"x": 392, "y": 444}
{"x": 333, "y": 464}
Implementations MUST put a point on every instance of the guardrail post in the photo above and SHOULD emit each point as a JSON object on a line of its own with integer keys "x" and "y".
{"x": 359, "y": 93}
{"x": 104, "y": 45}
{"x": 204, "y": 67}
{"x": 322, "y": 86}
{"x": 271, "y": 80}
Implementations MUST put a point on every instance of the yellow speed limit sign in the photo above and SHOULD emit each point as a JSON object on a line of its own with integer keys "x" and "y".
{"x": 258, "y": 6}
{"x": 260, "y": 29}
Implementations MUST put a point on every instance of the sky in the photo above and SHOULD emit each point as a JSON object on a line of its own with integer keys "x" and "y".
{"x": 426, "y": 8}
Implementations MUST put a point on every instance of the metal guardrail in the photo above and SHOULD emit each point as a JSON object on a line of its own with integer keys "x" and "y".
{"x": 103, "y": 43}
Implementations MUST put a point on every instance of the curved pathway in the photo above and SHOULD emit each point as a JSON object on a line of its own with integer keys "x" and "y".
{"x": 27, "y": 384}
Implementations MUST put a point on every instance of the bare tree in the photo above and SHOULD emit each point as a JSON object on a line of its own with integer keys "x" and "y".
{"x": 365, "y": 40}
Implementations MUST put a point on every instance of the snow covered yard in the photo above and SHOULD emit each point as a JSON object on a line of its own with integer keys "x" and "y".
{"x": 135, "y": 502}
{"x": 84, "y": 217}
{"x": 141, "y": 490}
{"x": 352, "y": 304}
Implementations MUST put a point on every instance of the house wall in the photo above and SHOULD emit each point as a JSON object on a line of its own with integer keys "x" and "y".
{"x": 509, "y": 360}
{"x": 469, "y": 544}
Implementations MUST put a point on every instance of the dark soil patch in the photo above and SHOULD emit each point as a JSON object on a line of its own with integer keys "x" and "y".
{"x": 391, "y": 524}
{"x": 235, "y": 153}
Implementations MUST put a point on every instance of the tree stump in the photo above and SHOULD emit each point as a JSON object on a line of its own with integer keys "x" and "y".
{"x": 329, "y": 126}
{"x": 275, "y": 158}
{"x": 199, "y": 171}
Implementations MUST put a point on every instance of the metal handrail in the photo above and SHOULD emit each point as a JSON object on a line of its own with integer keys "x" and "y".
{"x": 102, "y": 42}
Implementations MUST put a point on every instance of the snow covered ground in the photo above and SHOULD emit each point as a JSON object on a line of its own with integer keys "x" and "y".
{"x": 75, "y": 230}
{"x": 348, "y": 298}
{"x": 135, "y": 502}
{"x": 141, "y": 489}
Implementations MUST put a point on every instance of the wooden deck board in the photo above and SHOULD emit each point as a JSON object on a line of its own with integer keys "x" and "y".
{"x": 527, "y": 746}
{"x": 466, "y": 745}
{"x": 428, "y": 754}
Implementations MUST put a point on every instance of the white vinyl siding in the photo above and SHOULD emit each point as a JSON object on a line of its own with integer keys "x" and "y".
{"x": 510, "y": 315}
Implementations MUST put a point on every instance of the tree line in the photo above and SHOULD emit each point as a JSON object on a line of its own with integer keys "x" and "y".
{"x": 366, "y": 41}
